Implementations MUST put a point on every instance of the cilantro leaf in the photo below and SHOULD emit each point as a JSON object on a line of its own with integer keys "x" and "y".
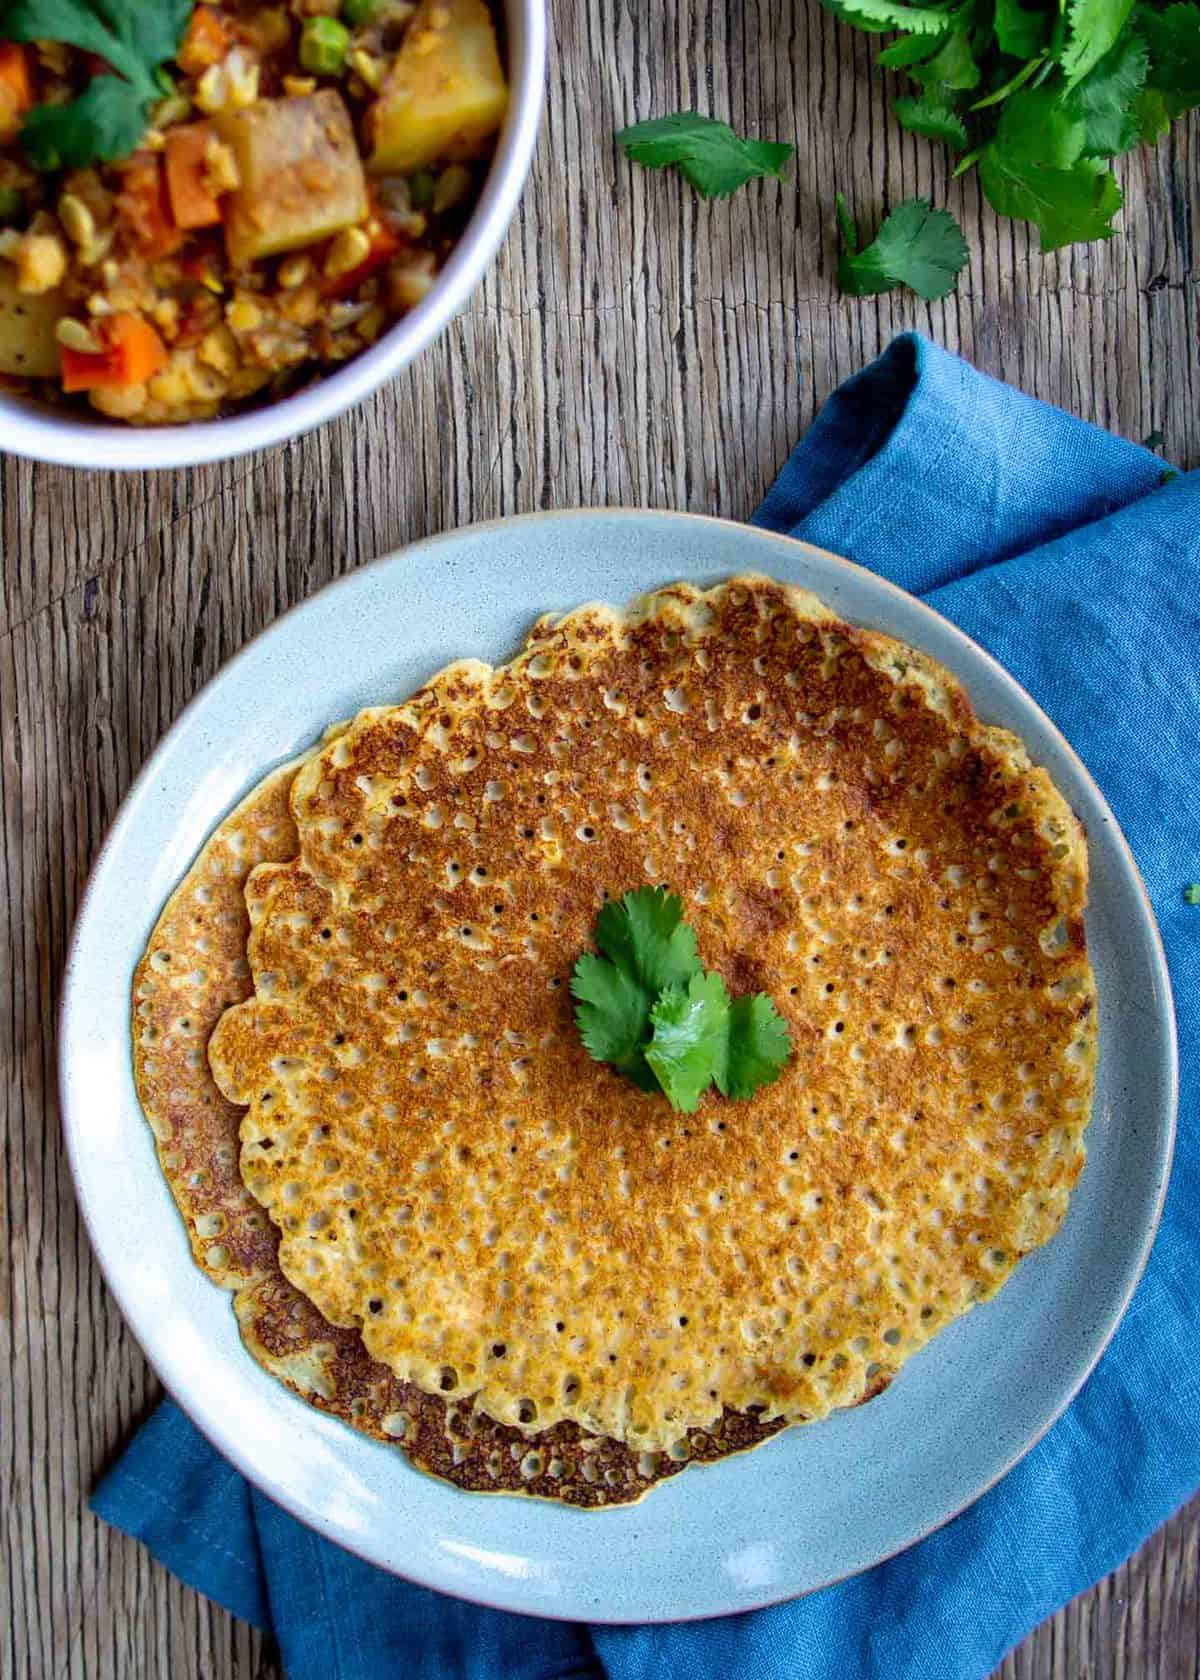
{"x": 106, "y": 122}
{"x": 1104, "y": 99}
{"x": 756, "y": 1049}
{"x": 707, "y": 153}
{"x": 646, "y": 945}
{"x": 1173, "y": 37}
{"x": 690, "y": 1042}
{"x": 1191, "y": 893}
{"x": 76, "y": 24}
{"x": 701, "y": 1037}
{"x": 645, "y": 934}
{"x": 156, "y": 26}
{"x": 1037, "y": 130}
{"x": 847, "y": 226}
{"x": 613, "y": 1015}
{"x": 916, "y": 247}
{"x": 1093, "y": 27}
{"x": 932, "y": 119}
{"x": 952, "y": 68}
{"x": 1064, "y": 204}
{"x": 912, "y": 49}
{"x": 110, "y": 117}
{"x": 879, "y": 15}
{"x": 1034, "y": 169}
{"x": 1151, "y": 115}
{"x": 1019, "y": 33}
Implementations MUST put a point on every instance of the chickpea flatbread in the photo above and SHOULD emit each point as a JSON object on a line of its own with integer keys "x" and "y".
{"x": 512, "y": 1226}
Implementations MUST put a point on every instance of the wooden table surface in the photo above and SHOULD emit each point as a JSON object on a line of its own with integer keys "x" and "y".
{"x": 632, "y": 345}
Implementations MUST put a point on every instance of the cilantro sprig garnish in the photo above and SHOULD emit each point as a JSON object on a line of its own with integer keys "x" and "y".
{"x": 1041, "y": 96}
{"x": 646, "y": 1005}
{"x": 707, "y": 153}
{"x": 109, "y": 118}
{"x": 646, "y": 947}
{"x": 916, "y": 246}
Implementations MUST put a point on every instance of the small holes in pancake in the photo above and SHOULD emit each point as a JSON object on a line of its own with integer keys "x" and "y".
{"x": 1054, "y": 939}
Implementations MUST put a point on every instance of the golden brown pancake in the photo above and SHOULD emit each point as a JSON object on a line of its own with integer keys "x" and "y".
{"x": 195, "y": 967}
{"x": 510, "y": 1223}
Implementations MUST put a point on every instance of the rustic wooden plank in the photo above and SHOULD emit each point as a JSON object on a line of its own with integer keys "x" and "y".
{"x": 632, "y": 345}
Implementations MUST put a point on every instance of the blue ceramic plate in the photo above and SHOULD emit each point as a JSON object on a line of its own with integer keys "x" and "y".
{"x": 810, "y": 1506}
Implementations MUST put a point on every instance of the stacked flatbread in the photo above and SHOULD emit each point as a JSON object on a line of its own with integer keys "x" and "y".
{"x": 446, "y": 1224}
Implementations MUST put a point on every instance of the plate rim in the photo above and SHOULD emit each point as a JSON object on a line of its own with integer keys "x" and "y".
{"x": 125, "y": 816}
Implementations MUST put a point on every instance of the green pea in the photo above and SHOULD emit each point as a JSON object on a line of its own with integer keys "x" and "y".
{"x": 323, "y": 44}
{"x": 420, "y": 189}
{"x": 359, "y": 12}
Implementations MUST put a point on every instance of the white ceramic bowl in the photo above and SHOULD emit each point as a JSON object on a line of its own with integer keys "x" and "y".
{"x": 45, "y": 434}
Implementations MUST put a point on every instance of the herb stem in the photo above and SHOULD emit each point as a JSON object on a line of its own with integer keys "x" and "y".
{"x": 1010, "y": 86}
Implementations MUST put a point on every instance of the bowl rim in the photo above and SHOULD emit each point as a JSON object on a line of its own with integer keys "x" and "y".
{"x": 229, "y": 1446}
{"x": 35, "y": 432}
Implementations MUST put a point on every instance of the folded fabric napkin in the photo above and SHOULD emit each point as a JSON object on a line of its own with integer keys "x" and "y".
{"x": 1064, "y": 552}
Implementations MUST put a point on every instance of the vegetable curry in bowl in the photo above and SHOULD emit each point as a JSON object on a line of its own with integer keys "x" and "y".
{"x": 205, "y": 204}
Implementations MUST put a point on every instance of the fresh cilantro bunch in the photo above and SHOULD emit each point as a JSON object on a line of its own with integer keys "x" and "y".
{"x": 1041, "y": 97}
{"x": 648, "y": 1007}
{"x": 110, "y": 117}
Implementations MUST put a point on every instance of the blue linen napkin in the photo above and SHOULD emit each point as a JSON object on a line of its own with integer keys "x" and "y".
{"x": 1059, "y": 548}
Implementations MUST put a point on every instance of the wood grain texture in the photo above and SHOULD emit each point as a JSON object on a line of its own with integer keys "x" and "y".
{"x": 632, "y": 345}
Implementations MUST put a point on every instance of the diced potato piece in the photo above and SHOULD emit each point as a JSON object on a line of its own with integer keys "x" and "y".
{"x": 300, "y": 173}
{"x": 445, "y": 91}
{"x": 28, "y": 347}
